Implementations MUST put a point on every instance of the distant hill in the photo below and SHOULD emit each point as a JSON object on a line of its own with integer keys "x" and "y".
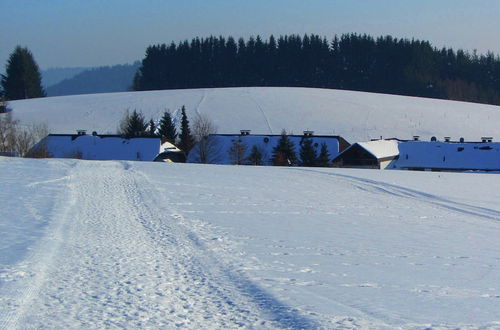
{"x": 54, "y": 76}
{"x": 106, "y": 79}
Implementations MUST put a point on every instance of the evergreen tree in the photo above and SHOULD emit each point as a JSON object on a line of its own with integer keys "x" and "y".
{"x": 307, "y": 153}
{"x": 134, "y": 125}
{"x": 284, "y": 152}
{"x": 166, "y": 129}
{"x": 22, "y": 79}
{"x": 186, "y": 139}
{"x": 255, "y": 156}
{"x": 151, "y": 128}
{"x": 324, "y": 156}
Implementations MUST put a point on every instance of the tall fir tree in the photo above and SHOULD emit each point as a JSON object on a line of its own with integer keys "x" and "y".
{"x": 166, "y": 128}
{"x": 284, "y": 151}
{"x": 22, "y": 79}
{"x": 186, "y": 139}
{"x": 135, "y": 125}
{"x": 324, "y": 156}
{"x": 308, "y": 153}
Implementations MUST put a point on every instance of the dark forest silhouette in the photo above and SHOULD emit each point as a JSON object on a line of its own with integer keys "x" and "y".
{"x": 351, "y": 61}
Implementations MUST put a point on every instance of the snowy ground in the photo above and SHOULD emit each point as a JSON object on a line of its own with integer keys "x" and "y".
{"x": 146, "y": 245}
{"x": 356, "y": 116}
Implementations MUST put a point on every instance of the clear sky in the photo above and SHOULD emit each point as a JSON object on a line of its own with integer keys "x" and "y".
{"x": 69, "y": 33}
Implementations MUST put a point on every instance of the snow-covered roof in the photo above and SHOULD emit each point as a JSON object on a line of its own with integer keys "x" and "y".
{"x": 101, "y": 147}
{"x": 167, "y": 146}
{"x": 448, "y": 156}
{"x": 381, "y": 149}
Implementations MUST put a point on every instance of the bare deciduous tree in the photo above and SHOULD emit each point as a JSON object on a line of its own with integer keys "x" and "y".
{"x": 26, "y": 139}
{"x": 237, "y": 152}
{"x": 8, "y": 129}
{"x": 202, "y": 128}
{"x": 19, "y": 140}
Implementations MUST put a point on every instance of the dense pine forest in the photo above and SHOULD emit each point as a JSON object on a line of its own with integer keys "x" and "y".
{"x": 351, "y": 61}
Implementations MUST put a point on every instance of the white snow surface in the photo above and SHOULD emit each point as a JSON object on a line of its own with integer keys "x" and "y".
{"x": 356, "y": 116}
{"x": 117, "y": 244}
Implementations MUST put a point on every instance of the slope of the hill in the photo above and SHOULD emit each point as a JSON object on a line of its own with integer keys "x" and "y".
{"x": 54, "y": 76}
{"x": 356, "y": 116}
{"x": 145, "y": 245}
{"x": 106, "y": 79}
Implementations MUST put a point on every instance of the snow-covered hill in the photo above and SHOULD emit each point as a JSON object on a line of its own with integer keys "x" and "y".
{"x": 356, "y": 116}
{"x": 112, "y": 244}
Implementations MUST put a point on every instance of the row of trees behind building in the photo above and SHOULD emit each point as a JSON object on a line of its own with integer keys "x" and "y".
{"x": 134, "y": 125}
{"x": 351, "y": 61}
{"x": 284, "y": 153}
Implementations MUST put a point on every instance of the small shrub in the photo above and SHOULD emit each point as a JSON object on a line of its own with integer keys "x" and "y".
{"x": 256, "y": 156}
{"x": 3, "y": 104}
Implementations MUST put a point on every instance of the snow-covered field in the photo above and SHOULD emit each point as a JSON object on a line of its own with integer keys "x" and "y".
{"x": 118, "y": 244}
{"x": 144, "y": 245}
{"x": 356, "y": 116}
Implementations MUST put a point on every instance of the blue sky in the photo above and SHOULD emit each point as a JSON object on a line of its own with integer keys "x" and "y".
{"x": 68, "y": 33}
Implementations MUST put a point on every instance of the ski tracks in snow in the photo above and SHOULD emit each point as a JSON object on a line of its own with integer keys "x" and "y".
{"x": 220, "y": 281}
{"x": 200, "y": 102}
{"x": 116, "y": 259}
{"x": 28, "y": 277}
{"x": 266, "y": 118}
{"x": 404, "y": 192}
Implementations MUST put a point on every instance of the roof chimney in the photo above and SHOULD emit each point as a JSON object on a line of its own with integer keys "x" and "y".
{"x": 416, "y": 137}
{"x": 308, "y": 133}
{"x": 447, "y": 139}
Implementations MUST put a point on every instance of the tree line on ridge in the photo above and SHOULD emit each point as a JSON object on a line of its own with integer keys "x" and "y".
{"x": 350, "y": 62}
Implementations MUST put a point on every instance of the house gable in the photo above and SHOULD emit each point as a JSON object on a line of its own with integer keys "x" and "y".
{"x": 356, "y": 156}
{"x": 372, "y": 154}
